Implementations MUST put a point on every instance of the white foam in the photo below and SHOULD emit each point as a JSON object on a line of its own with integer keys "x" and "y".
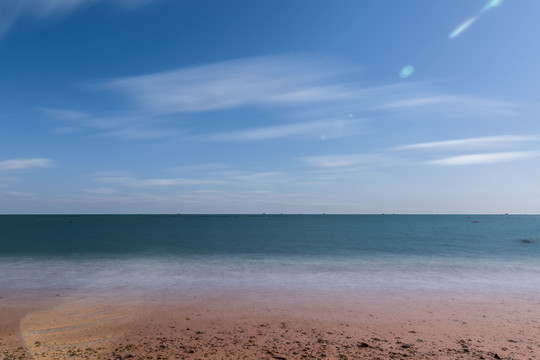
{"x": 285, "y": 273}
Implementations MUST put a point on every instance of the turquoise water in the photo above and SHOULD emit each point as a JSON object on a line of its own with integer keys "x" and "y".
{"x": 271, "y": 251}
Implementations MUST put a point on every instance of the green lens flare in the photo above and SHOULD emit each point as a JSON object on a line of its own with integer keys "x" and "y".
{"x": 406, "y": 72}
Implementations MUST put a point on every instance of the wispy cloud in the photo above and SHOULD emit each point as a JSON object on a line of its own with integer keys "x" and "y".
{"x": 65, "y": 114}
{"x": 129, "y": 126}
{"x": 471, "y": 143}
{"x": 325, "y": 129}
{"x": 154, "y": 182}
{"x": 23, "y": 163}
{"x": 414, "y": 102}
{"x": 99, "y": 191}
{"x": 334, "y": 162}
{"x": 284, "y": 81}
{"x": 447, "y": 104}
{"x": 133, "y": 4}
{"x": 199, "y": 177}
{"x": 488, "y": 158}
{"x": 12, "y": 10}
{"x": 5, "y": 181}
{"x": 300, "y": 96}
{"x": 138, "y": 132}
{"x": 200, "y": 201}
{"x": 251, "y": 178}
{"x": 232, "y": 84}
{"x": 18, "y": 194}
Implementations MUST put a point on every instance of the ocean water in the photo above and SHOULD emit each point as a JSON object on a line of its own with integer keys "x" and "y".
{"x": 268, "y": 252}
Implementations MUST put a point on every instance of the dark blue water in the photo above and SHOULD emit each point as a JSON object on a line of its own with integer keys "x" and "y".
{"x": 336, "y": 251}
{"x": 291, "y": 235}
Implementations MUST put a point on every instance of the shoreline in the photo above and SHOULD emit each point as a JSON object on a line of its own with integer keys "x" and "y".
{"x": 124, "y": 324}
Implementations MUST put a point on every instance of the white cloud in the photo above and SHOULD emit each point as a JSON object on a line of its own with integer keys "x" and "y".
{"x": 64, "y": 114}
{"x": 109, "y": 174}
{"x": 339, "y": 161}
{"x": 488, "y": 158}
{"x": 139, "y": 132}
{"x": 319, "y": 129}
{"x": 268, "y": 80}
{"x": 8, "y": 181}
{"x": 173, "y": 182}
{"x": 297, "y": 91}
{"x": 198, "y": 201}
{"x": 99, "y": 191}
{"x": 200, "y": 177}
{"x": 418, "y": 100}
{"x": 199, "y": 168}
{"x": 153, "y": 183}
{"x": 117, "y": 125}
{"x": 12, "y": 10}
{"x": 18, "y": 194}
{"x": 47, "y": 8}
{"x": 470, "y": 143}
{"x": 251, "y": 178}
{"x": 20, "y": 164}
{"x": 133, "y": 4}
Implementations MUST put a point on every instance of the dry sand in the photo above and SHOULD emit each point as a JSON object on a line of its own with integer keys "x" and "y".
{"x": 129, "y": 325}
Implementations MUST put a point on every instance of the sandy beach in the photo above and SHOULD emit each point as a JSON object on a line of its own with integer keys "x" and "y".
{"x": 127, "y": 325}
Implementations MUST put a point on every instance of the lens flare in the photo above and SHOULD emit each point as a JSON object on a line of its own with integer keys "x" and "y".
{"x": 406, "y": 72}
{"x": 491, "y": 4}
{"x": 461, "y": 28}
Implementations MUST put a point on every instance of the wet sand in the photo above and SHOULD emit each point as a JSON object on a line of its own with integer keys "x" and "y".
{"x": 108, "y": 324}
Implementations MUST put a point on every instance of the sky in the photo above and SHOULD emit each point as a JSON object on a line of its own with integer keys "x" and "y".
{"x": 258, "y": 106}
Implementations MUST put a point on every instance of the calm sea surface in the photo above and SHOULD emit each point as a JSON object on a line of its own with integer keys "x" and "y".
{"x": 363, "y": 252}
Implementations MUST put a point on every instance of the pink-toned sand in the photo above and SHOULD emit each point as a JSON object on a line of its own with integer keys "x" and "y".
{"x": 231, "y": 325}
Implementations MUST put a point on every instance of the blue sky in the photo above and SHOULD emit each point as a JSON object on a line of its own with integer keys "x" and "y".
{"x": 307, "y": 106}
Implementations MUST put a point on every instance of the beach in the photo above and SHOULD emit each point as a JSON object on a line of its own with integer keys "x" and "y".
{"x": 269, "y": 287}
{"x": 286, "y": 325}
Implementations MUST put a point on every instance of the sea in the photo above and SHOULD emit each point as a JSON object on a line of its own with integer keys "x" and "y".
{"x": 328, "y": 253}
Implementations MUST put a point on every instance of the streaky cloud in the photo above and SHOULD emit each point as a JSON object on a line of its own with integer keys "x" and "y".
{"x": 64, "y": 114}
{"x": 25, "y": 163}
{"x": 470, "y": 143}
{"x": 308, "y": 96}
{"x": 338, "y": 161}
{"x": 138, "y": 133}
{"x": 133, "y": 4}
{"x": 13, "y": 10}
{"x": 444, "y": 104}
{"x": 99, "y": 191}
{"x": 270, "y": 80}
{"x": 487, "y": 158}
{"x": 420, "y": 101}
{"x": 155, "y": 182}
{"x": 325, "y": 129}
{"x": 204, "y": 177}
{"x": 249, "y": 178}
{"x": 18, "y": 194}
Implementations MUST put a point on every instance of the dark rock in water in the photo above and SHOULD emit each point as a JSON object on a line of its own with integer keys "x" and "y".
{"x": 363, "y": 345}
{"x": 406, "y": 346}
{"x": 495, "y": 356}
{"x": 527, "y": 241}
